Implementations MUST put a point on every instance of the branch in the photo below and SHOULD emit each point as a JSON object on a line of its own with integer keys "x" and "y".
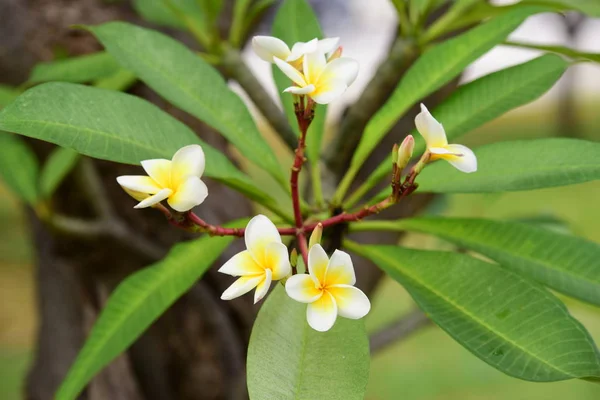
{"x": 236, "y": 69}
{"x": 398, "y": 330}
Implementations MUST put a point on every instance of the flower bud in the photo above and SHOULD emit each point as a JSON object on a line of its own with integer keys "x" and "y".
{"x": 315, "y": 238}
{"x": 395, "y": 153}
{"x": 294, "y": 257}
{"x": 405, "y": 152}
{"x": 336, "y": 54}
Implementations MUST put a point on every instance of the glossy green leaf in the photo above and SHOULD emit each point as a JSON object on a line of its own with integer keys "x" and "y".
{"x": 589, "y": 7}
{"x": 487, "y": 98}
{"x": 434, "y": 69}
{"x": 77, "y": 69}
{"x": 58, "y": 165}
{"x": 112, "y": 126}
{"x": 294, "y": 22}
{"x": 518, "y": 165}
{"x": 563, "y": 262}
{"x": 287, "y": 359}
{"x": 187, "y": 81}
{"x": 510, "y": 323}
{"x": 137, "y": 302}
{"x": 563, "y": 50}
{"x": 19, "y": 168}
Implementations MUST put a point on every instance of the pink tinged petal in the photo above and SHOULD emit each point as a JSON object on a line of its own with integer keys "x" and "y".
{"x": 260, "y": 232}
{"x": 344, "y": 69}
{"x": 328, "y": 91}
{"x": 431, "y": 130}
{"x": 242, "y": 264}
{"x": 351, "y": 301}
{"x": 303, "y": 288}
{"x": 267, "y": 47}
{"x": 137, "y": 183}
{"x": 314, "y": 65}
{"x": 188, "y": 195}
{"x": 278, "y": 260}
{"x": 298, "y": 90}
{"x": 263, "y": 286}
{"x": 328, "y": 45}
{"x": 242, "y": 286}
{"x": 301, "y": 48}
{"x": 340, "y": 270}
{"x": 321, "y": 314}
{"x": 466, "y": 162}
{"x": 154, "y": 199}
{"x": 290, "y": 72}
{"x": 159, "y": 170}
{"x": 187, "y": 161}
{"x": 317, "y": 263}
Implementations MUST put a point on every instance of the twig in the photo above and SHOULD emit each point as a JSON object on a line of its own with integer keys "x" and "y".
{"x": 398, "y": 330}
{"x": 236, "y": 69}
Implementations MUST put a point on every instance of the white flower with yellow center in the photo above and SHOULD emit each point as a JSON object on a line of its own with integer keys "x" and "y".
{"x": 177, "y": 180}
{"x": 265, "y": 260}
{"x": 461, "y": 157}
{"x": 328, "y": 289}
{"x": 268, "y": 48}
{"x": 320, "y": 80}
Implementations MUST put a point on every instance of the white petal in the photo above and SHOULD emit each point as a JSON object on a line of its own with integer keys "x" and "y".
{"x": 298, "y": 90}
{"x": 313, "y": 66}
{"x": 345, "y": 69}
{"x": 340, "y": 270}
{"x": 351, "y": 301}
{"x": 242, "y": 264}
{"x": 303, "y": 288}
{"x": 159, "y": 170}
{"x": 317, "y": 262}
{"x": 328, "y": 45}
{"x": 439, "y": 150}
{"x": 188, "y": 161}
{"x": 260, "y": 232}
{"x": 263, "y": 287}
{"x": 267, "y": 47}
{"x": 431, "y": 130}
{"x": 321, "y": 314}
{"x": 154, "y": 199}
{"x": 291, "y": 72}
{"x": 467, "y": 162}
{"x": 278, "y": 260}
{"x": 241, "y": 286}
{"x": 189, "y": 194}
{"x": 301, "y": 48}
{"x": 136, "y": 183}
{"x": 333, "y": 89}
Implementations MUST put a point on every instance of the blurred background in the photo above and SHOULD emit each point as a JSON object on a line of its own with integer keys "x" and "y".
{"x": 428, "y": 365}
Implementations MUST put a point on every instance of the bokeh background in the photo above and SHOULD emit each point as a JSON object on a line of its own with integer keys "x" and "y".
{"x": 428, "y": 365}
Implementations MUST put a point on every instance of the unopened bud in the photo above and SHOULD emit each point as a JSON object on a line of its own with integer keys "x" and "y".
{"x": 336, "y": 54}
{"x": 405, "y": 152}
{"x": 294, "y": 258}
{"x": 395, "y": 153}
{"x": 315, "y": 237}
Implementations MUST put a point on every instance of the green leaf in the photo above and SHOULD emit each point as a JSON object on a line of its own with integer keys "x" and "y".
{"x": 77, "y": 69}
{"x": 294, "y": 22}
{"x": 510, "y": 323}
{"x": 120, "y": 81}
{"x": 518, "y": 165}
{"x": 487, "y": 98}
{"x": 112, "y": 126}
{"x": 589, "y": 7}
{"x": 168, "y": 12}
{"x": 19, "y": 168}
{"x": 563, "y": 262}
{"x": 7, "y": 94}
{"x": 187, "y": 81}
{"x": 289, "y": 360}
{"x": 137, "y": 302}
{"x": 58, "y": 165}
{"x": 433, "y": 70}
{"x": 565, "y": 51}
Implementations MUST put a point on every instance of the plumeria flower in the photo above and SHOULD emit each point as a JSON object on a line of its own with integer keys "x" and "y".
{"x": 177, "y": 180}
{"x": 265, "y": 260}
{"x": 328, "y": 289}
{"x": 320, "y": 80}
{"x": 268, "y": 47}
{"x": 461, "y": 157}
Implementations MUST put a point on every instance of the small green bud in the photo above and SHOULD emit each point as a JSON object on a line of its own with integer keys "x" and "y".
{"x": 315, "y": 238}
{"x": 395, "y": 153}
{"x": 294, "y": 257}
